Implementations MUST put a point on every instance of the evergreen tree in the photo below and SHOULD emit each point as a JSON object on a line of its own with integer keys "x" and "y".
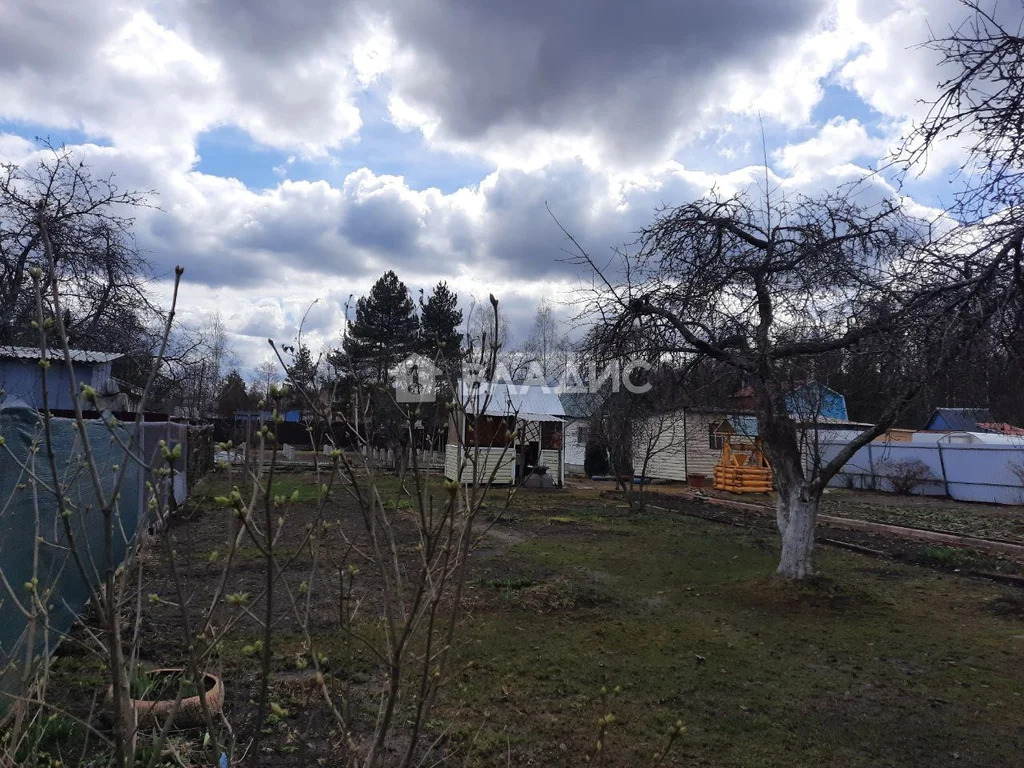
{"x": 302, "y": 371}
{"x": 385, "y": 330}
{"x": 233, "y": 395}
{"x": 302, "y": 377}
{"x": 440, "y": 319}
{"x": 440, "y": 338}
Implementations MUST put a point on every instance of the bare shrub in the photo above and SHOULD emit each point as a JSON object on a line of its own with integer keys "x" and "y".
{"x": 905, "y": 475}
{"x": 1016, "y": 466}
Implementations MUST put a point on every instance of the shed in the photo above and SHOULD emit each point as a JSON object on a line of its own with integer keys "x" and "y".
{"x": 689, "y": 441}
{"x": 957, "y": 419}
{"x": 20, "y": 375}
{"x": 505, "y": 433}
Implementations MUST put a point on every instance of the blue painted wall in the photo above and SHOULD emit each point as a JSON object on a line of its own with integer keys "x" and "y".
{"x": 22, "y": 379}
{"x": 814, "y": 401}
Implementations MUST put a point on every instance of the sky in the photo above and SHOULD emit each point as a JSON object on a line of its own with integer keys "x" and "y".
{"x": 297, "y": 150}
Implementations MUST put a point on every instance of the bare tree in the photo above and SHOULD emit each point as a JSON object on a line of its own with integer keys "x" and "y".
{"x": 94, "y": 258}
{"x": 487, "y": 342}
{"x": 193, "y": 369}
{"x": 767, "y": 289}
{"x": 980, "y": 104}
{"x": 265, "y": 375}
{"x": 546, "y": 349}
{"x": 641, "y": 430}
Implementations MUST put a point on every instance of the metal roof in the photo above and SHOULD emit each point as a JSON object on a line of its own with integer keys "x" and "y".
{"x": 77, "y": 355}
{"x": 496, "y": 398}
{"x": 581, "y": 405}
{"x": 959, "y": 419}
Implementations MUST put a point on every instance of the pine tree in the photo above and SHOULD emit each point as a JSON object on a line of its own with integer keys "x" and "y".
{"x": 233, "y": 395}
{"x": 302, "y": 371}
{"x": 385, "y": 330}
{"x": 440, "y": 318}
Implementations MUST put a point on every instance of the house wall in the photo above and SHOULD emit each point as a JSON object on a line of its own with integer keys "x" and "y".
{"x": 700, "y": 456}
{"x": 22, "y": 379}
{"x": 658, "y": 450}
{"x": 575, "y": 451}
{"x": 552, "y": 459}
{"x": 811, "y": 402}
{"x": 501, "y": 462}
{"x": 451, "y": 461}
{"x": 682, "y": 446}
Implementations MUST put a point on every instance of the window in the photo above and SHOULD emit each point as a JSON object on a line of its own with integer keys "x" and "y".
{"x": 582, "y": 434}
{"x": 716, "y": 435}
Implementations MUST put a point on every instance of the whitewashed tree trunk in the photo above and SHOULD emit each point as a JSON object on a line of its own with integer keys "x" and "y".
{"x": 796, "y": 512}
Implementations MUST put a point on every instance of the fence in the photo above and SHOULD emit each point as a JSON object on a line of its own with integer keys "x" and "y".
{"x": 426, "y": 460}
{"x": 965, "y": 472}
{"x": 33, "y": 542}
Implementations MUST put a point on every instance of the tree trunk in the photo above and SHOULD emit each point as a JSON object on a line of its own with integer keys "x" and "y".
{"x": 796, "y": 513}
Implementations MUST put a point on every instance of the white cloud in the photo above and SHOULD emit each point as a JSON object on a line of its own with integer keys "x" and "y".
{"x": 158, "y": 77}
{"x": 839, "y": 142}
{"x": 581, "y": 114}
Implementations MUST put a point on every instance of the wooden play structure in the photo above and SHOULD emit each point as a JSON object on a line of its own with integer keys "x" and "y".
{"x": 743, "y": 467}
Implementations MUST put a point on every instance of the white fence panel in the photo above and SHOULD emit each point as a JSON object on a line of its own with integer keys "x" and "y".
{"x": 984, "y": 473}
{"x": 975, "y": 472}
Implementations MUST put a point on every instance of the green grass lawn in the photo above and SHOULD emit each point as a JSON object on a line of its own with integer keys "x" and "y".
{"x": 876, "y": 664}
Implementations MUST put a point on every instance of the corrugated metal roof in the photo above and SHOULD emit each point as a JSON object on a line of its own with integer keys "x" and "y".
{"x": 495, "y": 398}
{"x": 77, "y": 355}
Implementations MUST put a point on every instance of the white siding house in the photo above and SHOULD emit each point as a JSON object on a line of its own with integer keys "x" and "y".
{"x": 690, "y": 440}
{"x": 682, "y": 443}
{"x": 580, "y": 409}
{"x": 577, "y": 433}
